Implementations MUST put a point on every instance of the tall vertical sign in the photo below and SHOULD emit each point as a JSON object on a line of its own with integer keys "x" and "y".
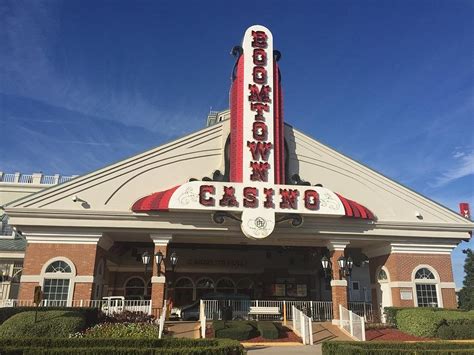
{"x": 257, "y": 164}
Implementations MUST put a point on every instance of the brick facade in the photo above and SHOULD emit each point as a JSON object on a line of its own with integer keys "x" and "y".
{"x": 83, "y": 256}
{"x": 158, "y": 289}
{"x": 400, "y": 267}
{"x": 339, "y": 293}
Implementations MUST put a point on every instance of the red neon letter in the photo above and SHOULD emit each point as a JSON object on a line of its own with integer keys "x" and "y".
{"x": 228, "y": 199}
{"x": 259, "y": 108}
{"x": 259, "y": 57}
{"x": 203, "y": 191}
{"x": 262, "y": 95}
{"x": 311, "y": 200}
{"x": 259, "y": 131}
{"x": 259, "y": 150}
{"x": 268, "y": 198}
{"x": 259, "y": 171}
{"x": 259, "y": 39}
{"x": 289, "y": 199}
{"x": 259, "y": 75}
{"x": 250, "y": 197}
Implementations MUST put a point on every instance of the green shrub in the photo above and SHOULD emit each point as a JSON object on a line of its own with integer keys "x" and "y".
{"x": 456, "y": 329}
{"x": 121, "y": 330}
{"x": 268, "y": 330}
{"x": 396, "y": 348}
{"x": 48, "y": 324}
{"x": 127, "y": 317}
{"x": 121, "y": 346}
{"x": 424, "y": 322}
{"x": 391, "y": 314}
{"x": 91, "y": 314}
{"x": 237, "y": 330}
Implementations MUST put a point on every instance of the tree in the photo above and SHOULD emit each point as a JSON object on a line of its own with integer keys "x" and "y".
{"x": 466, "y": 295}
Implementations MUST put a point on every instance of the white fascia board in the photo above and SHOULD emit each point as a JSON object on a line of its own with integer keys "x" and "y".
{"x": 62, "y": 237}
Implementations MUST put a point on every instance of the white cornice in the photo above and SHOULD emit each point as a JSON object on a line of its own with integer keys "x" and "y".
{"x": 339, "y": 283}
{"x": 63, "y": 237}
{"x": 337, "y": 245}
{"x": 410, "y": 248}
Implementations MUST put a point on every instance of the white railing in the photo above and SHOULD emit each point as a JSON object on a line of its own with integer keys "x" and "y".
{"x": 202, "y": 318}
{"x": 362, "y": 309}
{"x": 317, "y": 310}
{"x": 161, "y": 321}
{"x": 352, "y": 323}
{"x": 107, "y": 306}
{"x": 302, "y": 326}
{"x": 7, "y": 177}
{"x": 36, "y": 178}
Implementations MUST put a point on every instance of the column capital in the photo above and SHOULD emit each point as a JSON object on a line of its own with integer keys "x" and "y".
{"x": 337, "y": 245}
{"x": 161, "y": 239}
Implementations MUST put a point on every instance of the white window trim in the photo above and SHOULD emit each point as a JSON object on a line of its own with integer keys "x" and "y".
{"x": 386, "y": 272}
{"x": 380, "y": 282}
{"x": 60, "y": 275}
{"x": 436, "y": 282}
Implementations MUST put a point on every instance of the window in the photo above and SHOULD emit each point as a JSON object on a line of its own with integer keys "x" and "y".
{"x": 58, "y": 266}
{"x": 135, "y": 288}
{"x": 424, "y": 274}
{"x": 203, "y": 287}
{"x": 355, "y": 285}
{"x": 56, "y": 283}
{"x": 245, "y": 287}
{"x": 382, "y": 276}
{"x": 426, "y": 295}
{"x": 425, "y": 285}
{"x": 225, "y": 286}
{"x": 184, "y": 291}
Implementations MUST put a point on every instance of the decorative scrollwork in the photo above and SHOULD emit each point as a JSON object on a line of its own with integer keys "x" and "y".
{"x": 220, "y": 216}
{"x": 296, "y": 220}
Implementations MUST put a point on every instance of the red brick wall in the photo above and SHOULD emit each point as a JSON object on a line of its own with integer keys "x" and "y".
{"x": 400, "y": 268}
{"x": 339, "y": 293}
{"x": 158, "y": 289}
{"x": 37, "y": 254}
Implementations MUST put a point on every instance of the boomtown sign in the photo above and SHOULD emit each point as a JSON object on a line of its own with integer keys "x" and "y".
{"x": 257, "y": 164}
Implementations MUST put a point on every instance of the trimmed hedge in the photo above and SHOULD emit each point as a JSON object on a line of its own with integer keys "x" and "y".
{"x": 120, "y": 330}
{"x": 456, "y": 329}
{"x": 91, "y": 315}
{"x": 120, "y": 346}
{"x": 425, "y": 322}
{"x": 396, "y": 348}
{"x": 268, "y": 330}
{"x": 237, "y": 330}
{"x": 48, "y": 324}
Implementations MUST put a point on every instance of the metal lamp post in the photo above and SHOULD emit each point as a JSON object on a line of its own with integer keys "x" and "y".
{"x": 158, "y": 259}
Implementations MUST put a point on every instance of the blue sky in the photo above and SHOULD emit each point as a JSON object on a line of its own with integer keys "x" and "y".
{"x": 389, "y": 83}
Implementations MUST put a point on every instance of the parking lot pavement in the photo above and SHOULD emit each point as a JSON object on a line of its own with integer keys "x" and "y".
{"x": 271, "y": 350}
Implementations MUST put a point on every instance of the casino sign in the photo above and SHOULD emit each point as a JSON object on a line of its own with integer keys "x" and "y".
{"x": 256, "y": 188}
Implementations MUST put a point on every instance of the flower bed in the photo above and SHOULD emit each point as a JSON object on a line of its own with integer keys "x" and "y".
{"x": 390, "y": 334}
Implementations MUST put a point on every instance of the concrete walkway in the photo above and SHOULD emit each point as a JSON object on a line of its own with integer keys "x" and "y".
{"x": 270, "y": 350}
{"x": 183, "y": 329}
{"x": 323, "y": 331}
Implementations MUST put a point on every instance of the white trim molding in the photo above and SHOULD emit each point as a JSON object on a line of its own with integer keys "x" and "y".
{"x": 62, "y": 237}
{"x": 447, "y": 285}
{"x": 158, "y": 279}
{"x": 410, "y": 248}
{"x": 337, "y": 245}
{"x": 161, "y": 239}
{"x": 339, "y": 283}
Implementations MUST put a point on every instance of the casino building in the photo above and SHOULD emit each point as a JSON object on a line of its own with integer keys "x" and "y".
{"x": 248, "y": 205}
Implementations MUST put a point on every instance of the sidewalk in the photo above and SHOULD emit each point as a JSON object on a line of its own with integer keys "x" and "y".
{"x": 270, "y": 350}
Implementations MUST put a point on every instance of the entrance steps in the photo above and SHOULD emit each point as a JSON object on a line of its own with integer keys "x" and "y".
{"x": 323, "y": 331}
{"x": 183, "y": 329}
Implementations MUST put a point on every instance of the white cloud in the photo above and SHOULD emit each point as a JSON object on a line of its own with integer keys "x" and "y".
{"x": 464, "y": 166}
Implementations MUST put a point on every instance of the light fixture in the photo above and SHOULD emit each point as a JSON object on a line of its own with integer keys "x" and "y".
{"x": 326, "y": 264}
{"x": 158, "y": 260}
{"x": 174, "y": 260}
{"x": 341, "y": 262}
{"x": 146, "y": 257}
{"x": 349, "y": 265}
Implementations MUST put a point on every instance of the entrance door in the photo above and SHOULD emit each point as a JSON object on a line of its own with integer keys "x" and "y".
{"x": 384, "y": 294}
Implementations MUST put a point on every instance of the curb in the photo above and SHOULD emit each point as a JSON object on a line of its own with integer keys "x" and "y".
{"x": 289, "y": 343}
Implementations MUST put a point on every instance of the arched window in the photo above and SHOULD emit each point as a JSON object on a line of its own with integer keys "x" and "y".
{"x": 225, "y": 286}
{"x": 424, "y": 274}
{"x": 245, "y": 287}
{"x": 204, "y": 286}
{"x": 134, "y": 289}
{"x": 58, "y": 278}
{"x": 382, "y": 275}
{"x": 184, "y": 289}
{"x": 426, "y": 288}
